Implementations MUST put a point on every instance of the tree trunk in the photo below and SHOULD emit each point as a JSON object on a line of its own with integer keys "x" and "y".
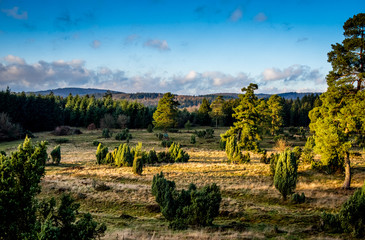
{"x": 347, "y": 182}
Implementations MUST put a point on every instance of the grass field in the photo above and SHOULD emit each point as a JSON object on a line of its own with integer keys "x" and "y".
{"x": 251, "y": 207}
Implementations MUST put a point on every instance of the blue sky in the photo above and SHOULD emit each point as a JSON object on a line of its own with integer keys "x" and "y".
{"x": 185, "y": 47}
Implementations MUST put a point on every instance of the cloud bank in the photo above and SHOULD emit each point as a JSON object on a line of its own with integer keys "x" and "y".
{"x": 16, "y": 13}
{"x": 19, "y": 75}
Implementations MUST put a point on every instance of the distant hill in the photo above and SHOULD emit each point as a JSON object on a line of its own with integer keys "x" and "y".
{"x": 151, "y": 99}
{"x": 64, "y": 92}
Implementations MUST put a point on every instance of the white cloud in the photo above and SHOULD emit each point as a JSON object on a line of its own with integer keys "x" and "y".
{"x": 236, "y": 15}
{"x": 157, "y": 44}
{"x": 260, "y": 17}
{"x": 292, "y": 73}
{"x": 15, "y": 13}
{"x": 14, "y": 59}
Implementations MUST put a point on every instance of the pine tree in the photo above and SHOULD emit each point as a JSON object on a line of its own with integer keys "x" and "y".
{"x": 56, "y": 155}
{"x": 165, "y": 115}
{"x": 276, "y": 109}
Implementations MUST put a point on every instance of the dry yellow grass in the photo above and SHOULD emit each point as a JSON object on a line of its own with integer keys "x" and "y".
{"x": 248, "y": 195}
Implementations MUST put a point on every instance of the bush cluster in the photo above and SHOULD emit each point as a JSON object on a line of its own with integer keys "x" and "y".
{"x": 273, "y": 160}
{"x": 207, "y": 133}
{"x": 298, "y": 198}
{"x": 123, "y": 135}
{"x": 351, "y": 217}
{"x": 106, "y": 133}
{"x": 188, "y": 207}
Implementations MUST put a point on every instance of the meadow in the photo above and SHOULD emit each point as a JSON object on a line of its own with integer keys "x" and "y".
{"x": 251, "y": 207}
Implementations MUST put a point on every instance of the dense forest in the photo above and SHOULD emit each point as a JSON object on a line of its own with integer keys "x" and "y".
{"x": 30, "y": 112}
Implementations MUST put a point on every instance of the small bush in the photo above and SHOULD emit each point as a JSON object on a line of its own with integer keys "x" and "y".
{"x": 351, "y": 217}
{"x": 124, "y": 156}
{"x": 123, "y": 135}
{"x": 159, "y": 136}
{"x": 166, "y": 143}
{"x": 150, "y": 128}
{"x": 209, "y": 133}
{"x": 164, "y": 157}
{"x": 188, "y": 207}
{"x": 106, "y": 133}
{"x": 233, "y": 151}
{"x": 91, "y": 126}
{"x": 3, "y": 153}
{"x": 152, "y": 157}
{"x": 297, "y": 152}
{"x": 101, "y": 153}
{"x": 56, "y": 155}
{"x": 308, "y": 153}
{"x": 285, "y": 179}
{"x": 96, "y": 143}
{"x": 245, "y": 158}
{"x": 137, "y": 165}
{"x": 297, "y": 198}
{"x": 177, "y": 154}
{"x": 192, "y": 139}
{"x": 273, "y": 159}
{"x": 222, "y": 145}
{"x": 264, "y": 158}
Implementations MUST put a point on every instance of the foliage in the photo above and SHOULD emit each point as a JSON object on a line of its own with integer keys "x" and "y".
{"x": 61, "y": 140}
{"x": 297, "y": 198}
{"x": 124, "y": 157}
{"x": 106, "y": 133}
{"x": 351, "y": 216}
{"x": 96, "y": 143}
{"x": 152, "y": 157}
{"x": 308, "y": 154}
{"x": 101, "y": 153}
{"x": 20, "y": 175}
{"x": 150, "y": 128}
{"x": 245, "y": 158}
{"x": 285, "y": 179}
{"x": 251, "y": 117}
{"x": 276, "y": 109}
{"x": 8, "y": 130}
{"x": 177, "y": 154}
{"x": 123, "y": 135}
{"x": 56, "y": 155}
{"x": 137, "y": 165}
{"x": 204, "y": 113}
{"x": 341, "y": 114}
{"x": 165, "y": 115}
{"x": 233, "y": 152}
{"x": 60, "y": 223}
{"x": 264, "y": 158}
{"x": 217, "y": 112}
{"x": 188, "y": 207}
{"x": 107, "y": 121}
{"x": 273, "y": 160}
{"x": 297, "y": 152}
{"x": 192, "y": 139}
{"x": 187, "y": 125}
{"x": 166, "y": 143}
{"x": 207, "y": 133}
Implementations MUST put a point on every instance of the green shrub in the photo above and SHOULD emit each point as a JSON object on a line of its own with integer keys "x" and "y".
{"x": 61, "y": 140}
{"x": 3, "y": 153}
{"x": 106, "y": 133}
{"x": 152, "y": 157}
{"x": 264, "y": 158}
{"x": 101, "y": 153}
{"x": 56, "y": 155}
{"x": 123, "y": 156}
{"x": 137, "y": 165}
{"x": 188, "y": 207}
{"x": 273, "y": 159}
{"x": 192, "y": 139}
{"x": 159, "y": 136}
{"x": 308, "y": 153}
{"x": 164, "y": 157}
{"x": 177, "y": 154}
{"x": 123, "y": 135}
{"x": 233, "y": 151}
{"x": 245, "y": 158}
{"x": 351, "y": 217}
{"x": 61, "y": 223}
{"x": 20, "y": 175}
{"x": 150, "y": 128}
{"x": 298, "y": 198}
{"x": 285, "y": 179}
{"x": 166, "y": 143}
{"x": 96, "y": 143}
{"x": 222, "y": 144}
{"x": 297, "y": 152}
{"x": 207, "y": 133}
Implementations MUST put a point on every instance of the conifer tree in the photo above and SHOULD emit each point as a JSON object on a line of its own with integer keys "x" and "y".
{"x": 342, "y": 112}
{"x": 285, "y": 179}
{"x": 165, "y": 115}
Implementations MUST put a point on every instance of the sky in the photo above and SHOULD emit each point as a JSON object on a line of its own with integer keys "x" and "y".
{"x": 184, "y": 47}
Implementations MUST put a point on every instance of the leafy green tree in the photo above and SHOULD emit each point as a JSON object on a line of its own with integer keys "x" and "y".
{"x": 285, "y": 179}
{"x": 217, "y": 107}
{"x": 165, "y": 115}
{"x": 251, "y": 117}
{"x": 101, "y": 153}
{"x": 20, "y": 175}
{"x": 276, "y": 109}
{"x": 342, "y": 113}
